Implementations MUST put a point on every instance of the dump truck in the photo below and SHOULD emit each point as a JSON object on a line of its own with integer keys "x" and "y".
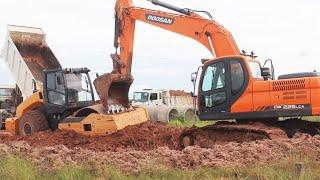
{"x": 27, "y": 55}
{"x": 165, "y": 105}
{"x": 54, "y": 97}
{"x": 33, "y": 66}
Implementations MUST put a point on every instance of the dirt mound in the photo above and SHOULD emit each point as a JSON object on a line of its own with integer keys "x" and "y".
{"x": 152, "y": 135}
{"x": 301, "y": 147}
{"x": 155, "y": 145}
{"x": 145, "y": 136}
{"x": 179, "y": 93}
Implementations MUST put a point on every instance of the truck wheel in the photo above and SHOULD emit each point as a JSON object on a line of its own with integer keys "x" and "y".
{"x": 190, "y": 115}
{"x": 31, "y": 122}
{"x": 173, "y": 114}
{"x": 2, "y": 119}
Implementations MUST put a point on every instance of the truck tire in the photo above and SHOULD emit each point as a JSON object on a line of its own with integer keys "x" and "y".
{"x": 2, "y": 119}
{"x": 190, "y": 115}
{"x": 32, "y": 122}
{"x": 5, "y": 105}
{"x": 173, "y": 114}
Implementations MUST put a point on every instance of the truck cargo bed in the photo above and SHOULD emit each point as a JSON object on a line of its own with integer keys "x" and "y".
{"x": 27, "y": 54}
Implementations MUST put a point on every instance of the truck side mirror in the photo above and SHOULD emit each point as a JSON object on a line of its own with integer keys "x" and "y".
{"x": 266, "y": 73}
{"x": 193, "y": 94}
{"x": 194, "y": 77}
{"x": 268, "y": 63}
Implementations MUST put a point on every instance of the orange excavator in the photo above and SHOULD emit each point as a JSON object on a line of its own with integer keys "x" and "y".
{"x": 232, "y": 85}
{"x": 113, "y": 87}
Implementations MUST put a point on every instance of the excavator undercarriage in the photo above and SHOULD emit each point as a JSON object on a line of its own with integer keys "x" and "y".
{"x": 246, "y": 130}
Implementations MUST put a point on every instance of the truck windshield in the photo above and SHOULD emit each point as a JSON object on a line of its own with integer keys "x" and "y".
{"x": 140, "y": 96}
{"x": 78, "y": 87}
{"x": 255, "y": 69}
{"x": 5, "y": 92}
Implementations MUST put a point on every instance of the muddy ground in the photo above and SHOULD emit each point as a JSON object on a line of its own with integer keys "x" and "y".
{"x": 152, "y": 145}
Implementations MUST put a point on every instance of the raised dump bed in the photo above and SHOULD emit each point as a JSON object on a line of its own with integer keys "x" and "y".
{"x": 27, "y": 54}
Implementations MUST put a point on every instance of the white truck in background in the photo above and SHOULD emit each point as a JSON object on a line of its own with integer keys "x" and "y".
{"x": 7, "y": 101}
{"x": 165, "y": 105}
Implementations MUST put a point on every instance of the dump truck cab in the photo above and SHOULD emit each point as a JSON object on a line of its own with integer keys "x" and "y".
{"x": 66, "y": 91}
{"x": 6, "y": 92}
{"x": 147, "y": 96}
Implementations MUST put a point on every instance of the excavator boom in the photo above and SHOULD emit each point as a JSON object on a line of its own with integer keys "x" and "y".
{"x": 113, "y": 87}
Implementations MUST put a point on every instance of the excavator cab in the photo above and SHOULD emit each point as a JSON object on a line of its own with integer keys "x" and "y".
{"x": 66, "y": 91}
{"x": 238, "y": 87}
{"x": 222, "y": 81}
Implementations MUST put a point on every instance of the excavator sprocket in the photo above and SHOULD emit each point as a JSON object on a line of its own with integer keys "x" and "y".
{"x": 224, "y": 132}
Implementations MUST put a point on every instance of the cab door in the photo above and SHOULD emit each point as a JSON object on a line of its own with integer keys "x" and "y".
{"x": 214, "y": 92}
{"x": 223, "y": 83}
{"x": 55, "y": 88}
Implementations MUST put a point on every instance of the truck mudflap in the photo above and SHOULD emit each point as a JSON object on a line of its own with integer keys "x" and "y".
{"x": 100, "y": 124}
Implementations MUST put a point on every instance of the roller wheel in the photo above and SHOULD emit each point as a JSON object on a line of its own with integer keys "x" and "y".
{"x": 31, "y": 122}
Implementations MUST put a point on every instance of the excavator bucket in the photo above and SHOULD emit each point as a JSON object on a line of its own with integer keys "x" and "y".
{"x": 113, "y": 90}
{"x": 113, "y": 114}
{"x": 99, "y": 123}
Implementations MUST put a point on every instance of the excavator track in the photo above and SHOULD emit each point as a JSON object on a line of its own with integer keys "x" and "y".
{"x": 224, "y": 132}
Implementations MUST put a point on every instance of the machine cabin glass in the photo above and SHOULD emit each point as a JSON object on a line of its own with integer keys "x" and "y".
{"x": 140, "y": 97}
{"x": 222, "y": 83}
{"x": 55, "y": 88}
{"x": 78, "y": 87}
{"x": 68, "y": 88}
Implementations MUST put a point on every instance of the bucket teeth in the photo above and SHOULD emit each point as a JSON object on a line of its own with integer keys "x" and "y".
{"x": 116, "y": 108}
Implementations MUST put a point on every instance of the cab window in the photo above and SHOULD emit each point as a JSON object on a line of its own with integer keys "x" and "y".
{"x": 255, "y": 69}
{"x": 153, "y": 96}
{"x": 237, "y": 77}
{"x": 214, "y": 77}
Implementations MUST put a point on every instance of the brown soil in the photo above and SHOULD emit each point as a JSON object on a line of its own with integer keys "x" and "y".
{"x": 38, "y": 59}
{"x": 179, "y": 93}
{"x": 145, "y": 136}
{"x": 156, "y": 145}
{"x": 228, "y": 155}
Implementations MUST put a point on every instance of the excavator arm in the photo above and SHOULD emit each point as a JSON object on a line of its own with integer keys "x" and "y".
{"x": 113, "y": 87}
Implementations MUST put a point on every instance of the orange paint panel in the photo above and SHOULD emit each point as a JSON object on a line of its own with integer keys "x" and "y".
{"x": 314, "y": 83}
{"x": 261, "y": 94}
{"x": 315, "y": 101}
{"x": 314, "y": 95}
{"x": 243, "y": 104}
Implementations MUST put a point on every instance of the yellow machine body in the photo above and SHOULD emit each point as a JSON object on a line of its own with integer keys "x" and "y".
{"x": 99, "y": 124}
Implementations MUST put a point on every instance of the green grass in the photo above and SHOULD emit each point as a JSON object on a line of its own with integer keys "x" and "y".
{"x": 18, "y": 168}
{"x": 181, "y": 123}
{"x": 312, "y": 118}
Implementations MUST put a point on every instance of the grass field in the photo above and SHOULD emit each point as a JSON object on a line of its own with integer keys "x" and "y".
{"x": 18, "y": 168}
{"x": 182, "y": 123}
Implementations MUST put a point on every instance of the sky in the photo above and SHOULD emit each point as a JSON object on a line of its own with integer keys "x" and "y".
{"x": 80, "y": 33}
